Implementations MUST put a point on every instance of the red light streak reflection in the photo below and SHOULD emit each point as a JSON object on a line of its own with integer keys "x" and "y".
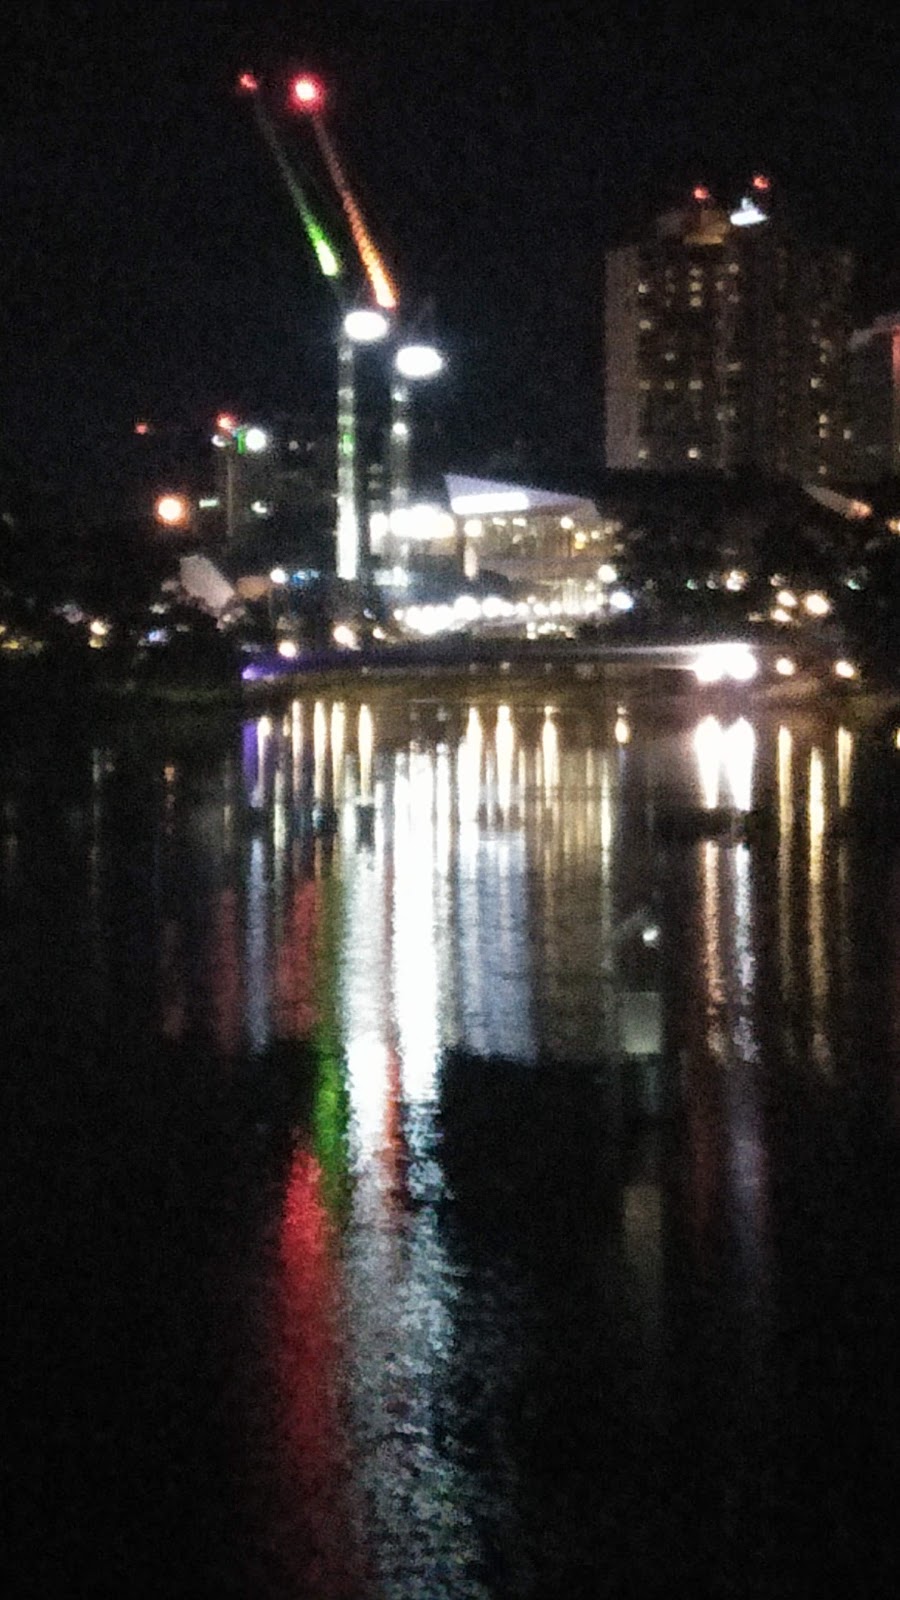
{"x": 314, "y": 1453}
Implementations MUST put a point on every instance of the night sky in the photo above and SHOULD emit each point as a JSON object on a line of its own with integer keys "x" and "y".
{"x": 151, "y": 265}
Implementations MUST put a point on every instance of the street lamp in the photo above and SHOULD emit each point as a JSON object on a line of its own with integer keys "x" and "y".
{"x": 172, "y": 510}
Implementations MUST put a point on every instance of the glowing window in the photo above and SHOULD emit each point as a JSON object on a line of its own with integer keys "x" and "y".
{"x": 694, "y": 454}
{"x": 696, "y": 383}
{"x": 645, "y": 324}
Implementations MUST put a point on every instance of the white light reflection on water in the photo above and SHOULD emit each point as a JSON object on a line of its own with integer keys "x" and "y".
{"x": 399, "y": 1285}
{"x": 818, "y": 954}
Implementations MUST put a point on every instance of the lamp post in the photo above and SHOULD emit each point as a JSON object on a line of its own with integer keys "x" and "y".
{"x": 413, "y": 363}
{"x": 362, "y": 326}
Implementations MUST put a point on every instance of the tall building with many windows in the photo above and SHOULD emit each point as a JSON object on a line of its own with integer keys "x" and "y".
{"x": 874, "y": 400}
{"x": 725, "y": 339}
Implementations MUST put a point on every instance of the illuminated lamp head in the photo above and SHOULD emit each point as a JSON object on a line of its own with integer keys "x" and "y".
{"x": 307, "y": 94}
{"x": 171, "y": 510}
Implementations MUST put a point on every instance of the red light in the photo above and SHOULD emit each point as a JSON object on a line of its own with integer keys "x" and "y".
{"x": 226, "y": 423}
{"x": 248, "y": 83}
{"x": 142, "y": 427}
{"x": 701, "y": 192}
{"x": 761, "y": 183}
{"x": 308, "y": 93}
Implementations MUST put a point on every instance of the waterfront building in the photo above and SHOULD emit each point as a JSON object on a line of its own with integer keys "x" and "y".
{"x": 725, "y": 337}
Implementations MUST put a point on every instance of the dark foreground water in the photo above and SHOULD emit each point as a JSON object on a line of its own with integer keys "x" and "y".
{"x": 340, "y": 1261}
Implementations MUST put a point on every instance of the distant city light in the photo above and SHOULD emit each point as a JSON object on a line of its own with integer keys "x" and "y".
{"x": 226, "y": 423}
{"x": 248, "y": 83}
{"x": 365, "y": 326}
{"x": 785, "y": 667}
{"x": 717, "y": 661}
{"x": 786, "y": 597}
{"x": 344, "y": 636}
{"x": 278, "y": 575}
{"x": 171, "y": 510}
{"x": 143, "y": 427}
{"x": 607, "y": 573}
{"x": 418, "y": 361}
{"x": 701, "y": 193}
{"x": 761, "y": 183}
{"x": 256, "y": 440}
{"x": 308, "y": 93}
{"x": 482, "y": 504}
{"x": 619, "y": 600}
{"x": 289, "y": 649}
{"x": 747, "y": 214}
{"x": 845, "y": 669}
{"x": 817, "y": 604}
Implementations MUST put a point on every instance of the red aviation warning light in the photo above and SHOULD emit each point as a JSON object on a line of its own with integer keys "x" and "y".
{"x": 248, "y": 83}
{"x": 701, "y": 193}
{"x": 226, "y": 423}
{"x": 308, "y": 94}
{"x": 761, "y": 183}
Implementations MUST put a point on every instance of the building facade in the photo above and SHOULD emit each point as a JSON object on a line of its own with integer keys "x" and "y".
{"x": 725, "y": 340}
{"x": 873, "y": 362}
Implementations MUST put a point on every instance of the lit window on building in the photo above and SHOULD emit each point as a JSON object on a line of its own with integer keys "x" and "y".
{"x": 815, "y": 383}
{"x": 696, "y": 383}
{"x": 669, "y": 384}
{"x": 694, "y": 453}
{"x": 734, "y": 366}
{"x": 645, "y": 324}
{"x": 643, "y": 453}
{"x": 733, "y": 268}
{"x": 822, "y": 470}
{"x": 644, "y": 384}
{"x": 643, "y": 288}
{"x": 696, "y": 301}
{"x": 824, "y": 417}
{"x": 669, "y": 355}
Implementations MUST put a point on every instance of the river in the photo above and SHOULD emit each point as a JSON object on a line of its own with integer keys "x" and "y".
{"x": 438, "y": 1163}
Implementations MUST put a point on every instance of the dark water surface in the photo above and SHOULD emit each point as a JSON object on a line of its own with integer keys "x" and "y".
{"x": 339, "y": 1262}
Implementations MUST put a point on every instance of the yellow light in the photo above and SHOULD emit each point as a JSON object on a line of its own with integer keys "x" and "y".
{"x": 778, "y": 614}
{"x": 786, "y": 597}
{"x": 817, "y": 604}
{"x": 345, "y": 636}
{"x": 845, "y": 669}
{"x": 622, "y": 731}
{"x": 99, "y": 628}
{"x": 289, "y": 649}
{"x": 171, "y": 510}
{"x": 785, "y": 667}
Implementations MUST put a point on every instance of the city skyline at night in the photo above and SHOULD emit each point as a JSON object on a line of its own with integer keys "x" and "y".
{"x": 152, "y": 268}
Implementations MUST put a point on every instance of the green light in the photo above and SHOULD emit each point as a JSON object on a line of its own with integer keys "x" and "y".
{"x": 328, "y": 261}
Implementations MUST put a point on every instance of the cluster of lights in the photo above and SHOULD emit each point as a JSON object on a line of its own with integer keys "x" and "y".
{"x": 719, "y": 663}
{"x": 242, "y": 436}
{"x": 467, "y": 609}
